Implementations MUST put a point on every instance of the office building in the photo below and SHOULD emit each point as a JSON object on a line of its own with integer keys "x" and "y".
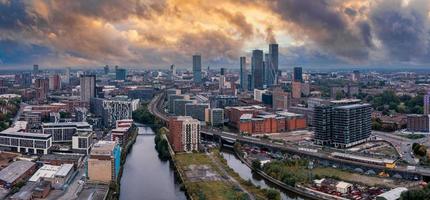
{"x": 243, "y": 74}
{"x": 216, "y": 116}
{"x": 121, "y": 74}
{"x": 258, "y": 95}
{"x": 179, "y": 106}
{"x": 82, "y": 141}
{"x": 418, "y": 123}
{"x": 257, "y": 69}
{"x": 54, "y": 82}
{"x": 171, "y": 99}
{"x": 266, "y": 68}
{"x": 273, "y": 72}
{"x": 184, "y": 134}
{"x": 197, "y": 68}
{"x": 196, "y": 110}
{"x": 88, "y": 87}
{"x": 64, "y": 131}
{"x": 426, "y": 105}
{"x": 298, "y": 76}
{"x": 23, "y": 142}
{"x": 222, "y": 101}
{"x": 104, "y": 162}
{"x": 342, "y": 126}
{"x": 17, "y": 171}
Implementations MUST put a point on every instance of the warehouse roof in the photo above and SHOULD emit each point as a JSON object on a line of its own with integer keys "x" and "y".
{"x": 15, "y": 170}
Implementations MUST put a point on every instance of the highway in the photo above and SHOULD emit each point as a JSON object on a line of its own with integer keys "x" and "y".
{"x": 154, "y": 108}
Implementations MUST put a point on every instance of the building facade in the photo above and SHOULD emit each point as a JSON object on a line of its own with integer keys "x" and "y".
{"x": 32, "y": 143}
{"x": 88, "y": 87}
{"x": 64, "y": 131}
{"x": 104, "y": 162}
{"x": 184, "y": 134}
{"x": 243, "y": 74}
{"x": 196, "y": 110}
{"x": 257, "y": 69}
{"x": 197, "y": 68}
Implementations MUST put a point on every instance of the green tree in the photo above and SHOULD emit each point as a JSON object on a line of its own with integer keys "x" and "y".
{"x": 256, "y": 164}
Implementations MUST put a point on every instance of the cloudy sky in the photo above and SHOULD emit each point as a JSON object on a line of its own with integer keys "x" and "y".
{"x": 157, "y": 33}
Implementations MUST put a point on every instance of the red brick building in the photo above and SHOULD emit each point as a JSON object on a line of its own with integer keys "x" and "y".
{"x": 184, "y": 134}
{"x": 254, "y": 120}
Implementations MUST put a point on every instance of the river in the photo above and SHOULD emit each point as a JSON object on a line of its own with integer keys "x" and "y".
{"x": 145, "y": 176}
{"x": 247, "y": 174}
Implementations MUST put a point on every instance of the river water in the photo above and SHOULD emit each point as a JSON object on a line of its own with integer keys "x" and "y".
{"x": 246, "y": 173}
{"x": 145, "y": 176}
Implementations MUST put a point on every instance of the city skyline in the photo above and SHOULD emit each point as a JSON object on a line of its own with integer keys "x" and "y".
{"x": 156, "y": 34}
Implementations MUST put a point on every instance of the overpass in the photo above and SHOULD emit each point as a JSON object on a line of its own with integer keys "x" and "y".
{"x": 155, "y": 108}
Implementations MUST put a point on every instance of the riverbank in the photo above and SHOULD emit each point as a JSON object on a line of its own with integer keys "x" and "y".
{"x": 114, "y": 187}
{"x": 146, "y": 176}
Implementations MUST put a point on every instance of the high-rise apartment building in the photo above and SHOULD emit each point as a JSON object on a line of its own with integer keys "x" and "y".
{"x": 113, "y": 109}
{"x": 35, "y": 69}
{"x": 257, "y": 69}
{"x": 42, "y": 88}
{"x": 298, "y": 76}
{"x": 184, "y": 134}
{"x": 54, "y": 82}
{"x": 88, "y": 87}
{"x": 342, "y": 126}
{"x": 243, "y": 74}
{"x": 197, "y": 68}
{"x": 67, "y": 76}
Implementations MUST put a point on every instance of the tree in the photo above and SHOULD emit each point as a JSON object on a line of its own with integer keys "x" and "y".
{"x": 256, "y": 164}
{"x": 272, "y": 194}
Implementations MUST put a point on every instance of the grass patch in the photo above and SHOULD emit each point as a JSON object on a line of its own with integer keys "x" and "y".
{"x": 412, "y": 136}
{"x": 214, "y": 190}
{"x": 352, "y": 177}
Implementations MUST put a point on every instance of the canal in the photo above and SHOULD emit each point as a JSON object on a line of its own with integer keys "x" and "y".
{"x": 145, "y": 176}
{"x": 246, "y": 173}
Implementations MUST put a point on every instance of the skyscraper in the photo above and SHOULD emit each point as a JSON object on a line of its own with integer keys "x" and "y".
{"x": 243, "y": 74}
{"x": 54, "y": 82}
{"x": 42, "y": 88}
{"x": 197, "y": 68}
{"x": 298, "y": 74}
{"x": 257, "y": 70}
{"x": 222, "y": 79}
{"x": 88, "y": 87}
{"x": 272, "y": 72}
{"x": 106, "y": 69}
{"x": 266, "y": 69}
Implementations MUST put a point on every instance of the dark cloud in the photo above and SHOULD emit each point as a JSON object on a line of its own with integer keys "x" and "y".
{"x": 403, "y": 30}
{"x": 325, "y": 25}
{"x": 351, "y": 12}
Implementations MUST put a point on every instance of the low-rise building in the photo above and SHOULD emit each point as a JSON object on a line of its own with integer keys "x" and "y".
{"x": 82, "y": 142}
{"x": 15, "y": 172}
{"x": 104, "y": 162}
{"x": 24, "y": 142}
{"x": 418, "y": 123}
{"x": 64, "y": 131}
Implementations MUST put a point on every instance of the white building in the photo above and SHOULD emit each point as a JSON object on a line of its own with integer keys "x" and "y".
{"x": 33, "y": 143}
{"x": 82, "y": 141}
{"x": 64, "y": 131}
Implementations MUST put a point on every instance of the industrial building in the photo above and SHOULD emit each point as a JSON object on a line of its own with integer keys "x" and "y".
{"x": 15, "y": 172}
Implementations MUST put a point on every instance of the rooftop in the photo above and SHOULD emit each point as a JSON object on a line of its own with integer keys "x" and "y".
{"x": 353, "y": 106}
{"x": 103, "y": 147}
{"x": 64, "y": 170}
{"x": 15, "y": 170}
{"x": 46, "y": 171}
{"x": 25, "y": 134}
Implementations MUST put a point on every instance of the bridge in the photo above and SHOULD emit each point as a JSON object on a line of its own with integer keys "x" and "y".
{"x": 155, "y": 107}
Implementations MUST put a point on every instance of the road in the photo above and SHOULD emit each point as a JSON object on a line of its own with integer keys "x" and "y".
{"x": 154, "y": 108}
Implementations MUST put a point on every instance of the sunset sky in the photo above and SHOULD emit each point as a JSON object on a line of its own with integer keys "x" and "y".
{"x": 157, "y": 33}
